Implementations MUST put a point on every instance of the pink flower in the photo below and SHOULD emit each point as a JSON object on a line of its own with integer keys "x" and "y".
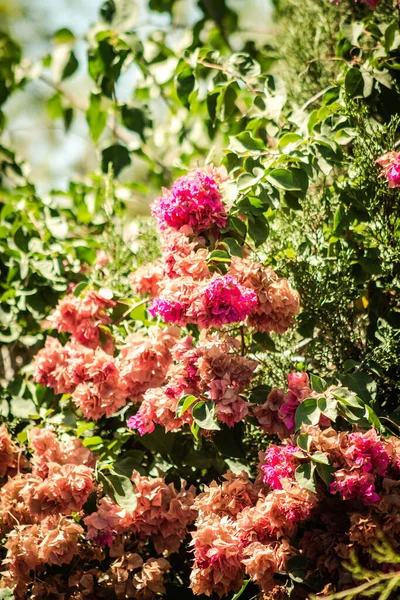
{"x": 390, "y": 162}
{"x": 287, "y": 410}
{"x": 59, "y": 543}
{"x": 82, "y": 316}
{"x": 355, "y": 485}
{"x": 158, "y": 407}
{"x": 137, "y": 422}
{"x": 100, "y": 399}
{"x": 65, "y": 490}
{"x": 194, "y": 201}
{"x": 279, "y": 464}
{"x": 262, "y": 561}
{"x": 171, "y": 310}
{"x": 227, "y": 499}
{"x": 367, "y": 452}
{"x": 297, "y": 381}
{"x": 57, "y": 367}
{"x": 8, "y": 452}
{"x": 183, "y": 258}
{"x": 223, "y": 301}
{"x": 229, "y": 405}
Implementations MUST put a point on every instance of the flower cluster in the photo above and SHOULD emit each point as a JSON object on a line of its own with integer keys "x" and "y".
{"x": 184, "y": 288}
{"x": 211, "y": 370}
{"x": 83, "y": 318}
{"x": 279, "y": 465}
{"x": 194, "y": 201}
{"x": 99, "y": 383}
{"x": 390, "y": 164}
{"x": 277, "y": 413}
{"x": 241, "y": 530}
{"x": 162, "y": 515}
{"x": 47, "y": 521}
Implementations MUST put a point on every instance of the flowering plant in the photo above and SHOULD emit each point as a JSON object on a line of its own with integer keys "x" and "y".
{"x": 207, "y": 406}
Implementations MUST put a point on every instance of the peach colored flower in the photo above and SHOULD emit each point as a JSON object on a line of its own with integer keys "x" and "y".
{"x": 109, "y": 520}
{"x": 8, "y": 452}
{"x": 65, "y": 490}
{"x": 146, "y": 278}
{"x": 143, "y": 362}
{"x": 227, "y": 499}
{"x": 218, "y": 564}
{"x": 162, "y": 513}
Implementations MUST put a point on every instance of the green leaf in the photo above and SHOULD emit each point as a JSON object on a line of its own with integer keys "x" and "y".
{"x": 325, "y": 472}
{"x": 259, "y": 394}
{"x": 160, "y": 441}
{"x": 258, "y": 230}
{"x": 320, "y": 457}
{"x": 96, "y": 116}
{"x": 54, "y": 107}
{"x": 79, "y": 288}
{"x": 305, "y": 476}
{"x": 289, "y": 179}
{"x": 390, "y": 35}
{"x": 204, "y": 416}
{"x": 194, "y": 428}
{"x": 184, "y": 403}
{"x": 234, "y": 247}
{"x": 116, "y": 155}
{"x": 362, "y": 384}
{"x": 244, "y": 142}
{"x": 95, "y": 440}
{"x": 289, "y": 138}
{"x": 135, "y": 119}
{"x": 264, "y": 340}
{"x": 130, "y": 461}
{"x": 347, "y": 397}
{"x": 239, "y": 226}
{"x": 304, "y": 442}
{"x": 354, "y": 82}
{"x": 184, "y": 84}
{"x": 63, "y": 36}
{"x": 22, "y": 407}
{"x": 70, "y": 67}
{"x": 219, "y": 256}
{"x": 328, "y": 407}
{"x": 307, "y": 413}
{"x": 228, "y": 441}
{"x": 120, "y": 489}
{"x": 318, "y": 384}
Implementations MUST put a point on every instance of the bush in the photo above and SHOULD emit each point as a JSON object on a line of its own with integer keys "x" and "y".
{"x": 209, "y": 406}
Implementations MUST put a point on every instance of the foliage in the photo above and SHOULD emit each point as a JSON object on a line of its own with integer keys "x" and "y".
{"x": 373, "y": 583}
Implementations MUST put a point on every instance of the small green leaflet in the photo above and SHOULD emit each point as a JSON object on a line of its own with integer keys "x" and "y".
{"x": 204, "y": 416}
{"x": 184, "y": 403}
{"x": 305, "y": 476}
{"x": 119, "y": 488}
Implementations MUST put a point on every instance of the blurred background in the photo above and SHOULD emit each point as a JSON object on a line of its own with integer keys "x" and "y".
{"x": 31, "y": 131}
